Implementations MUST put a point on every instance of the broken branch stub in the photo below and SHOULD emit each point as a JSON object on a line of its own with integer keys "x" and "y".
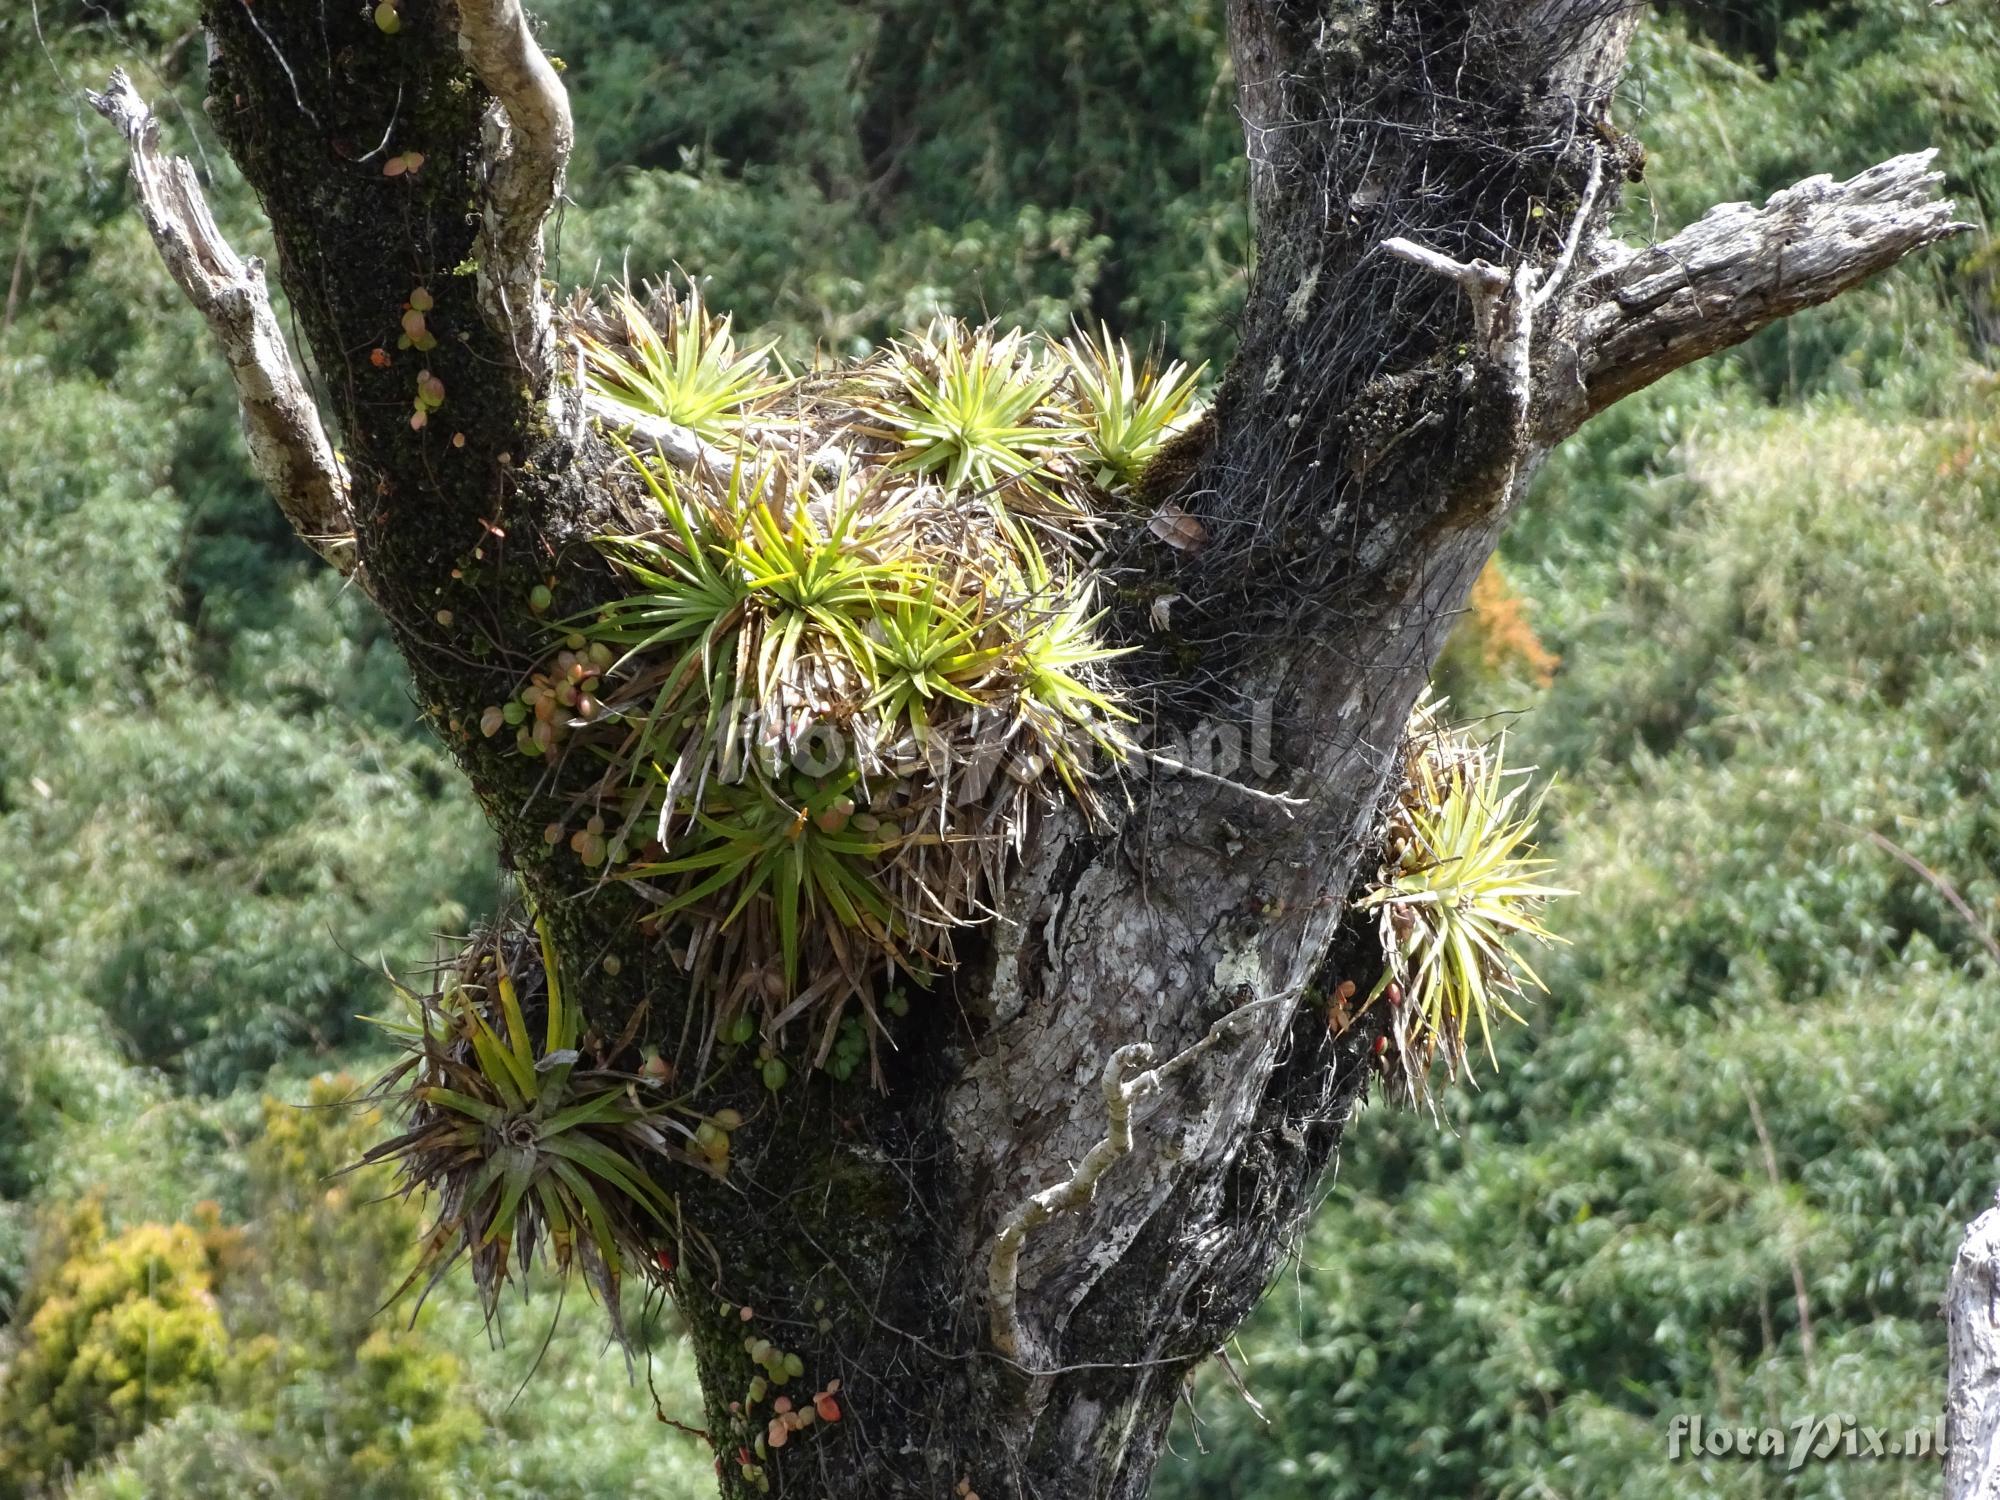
{"x": 1740, "y": 268}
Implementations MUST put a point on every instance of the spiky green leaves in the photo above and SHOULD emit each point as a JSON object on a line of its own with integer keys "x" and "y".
{"x": 531, "y": 1152}
{"x": 977, "y": 411}
{"x": 1461, "y": 891}
{"x": 848, "y": 665}
{"x": 1127, "y": 412}
{"x": 793, "y": 845}
{"x": 686, "y": 368}
{"x": 833, "y": 694}
{"x": 924, "y": 647}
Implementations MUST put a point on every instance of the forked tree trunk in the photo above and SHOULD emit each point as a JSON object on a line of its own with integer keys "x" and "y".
{"x": 1137, "y": 1052}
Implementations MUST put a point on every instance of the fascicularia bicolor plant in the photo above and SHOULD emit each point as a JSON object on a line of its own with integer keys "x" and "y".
{"x": 685, "y": 368}
{"x": 855, "y": 654}
{"x": 1129, "y": 410}
{"x": 1459, "y": 892}
{"x": 531, "y": 1145}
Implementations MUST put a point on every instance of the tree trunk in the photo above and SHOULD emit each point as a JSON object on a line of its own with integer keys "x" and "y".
{"x": 1139, "y": 1050}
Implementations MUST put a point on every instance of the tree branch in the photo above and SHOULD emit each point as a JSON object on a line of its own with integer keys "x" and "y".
{"x": 1740, "y": 268}
{"x": 281, "y": 425}
{"x": 1483, "y": 283}
{"x": 1552, "y": 282}
{"x": 527, "y": 146}
{"x": 680, "y": 446}
{"x": 1510, "y": 340}
{"x": 1972, "y": 1331}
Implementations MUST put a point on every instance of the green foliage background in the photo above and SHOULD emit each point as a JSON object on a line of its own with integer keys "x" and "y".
{"x": 1773, "y": 583}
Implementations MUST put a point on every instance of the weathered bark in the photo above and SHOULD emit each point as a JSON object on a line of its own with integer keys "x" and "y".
{"x": 1972, "y": 1400}
{"x": 1010, "y": 1280}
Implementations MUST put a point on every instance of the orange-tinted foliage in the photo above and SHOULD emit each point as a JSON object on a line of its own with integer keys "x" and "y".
{"x": 1495, "y": 633}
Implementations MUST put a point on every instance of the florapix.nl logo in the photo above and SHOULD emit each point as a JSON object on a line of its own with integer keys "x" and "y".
{"x": 1824, "y": 1438}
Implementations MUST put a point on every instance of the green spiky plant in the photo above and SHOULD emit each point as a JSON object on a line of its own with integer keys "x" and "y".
{"x": 793, "y": 843}
{"x": 831, "y": 608}
{"x": 530, "y": 1151}
{"x": 1128, "y": 411}
{"x": 686, "y": 368}
{"x": 844, "y": 672}
{"x": 976, "y": 411}
{"x": 817, "y": 563}
{"x": 924, "y": 647}
{"x": 1458, "y": 896}
{"x": 1055, "y": 647}
{"x": 750, "y": 592}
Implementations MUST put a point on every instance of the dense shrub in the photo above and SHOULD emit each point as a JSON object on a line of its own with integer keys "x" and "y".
{"x": 116, "y": 1333}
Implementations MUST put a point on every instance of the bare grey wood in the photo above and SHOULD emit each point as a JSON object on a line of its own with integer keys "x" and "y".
{"x": 1972, "y": 1397}
{"x": 527, "y": 141}
{"x": 281, "y": 425}
{"x": 1740, "y": 268}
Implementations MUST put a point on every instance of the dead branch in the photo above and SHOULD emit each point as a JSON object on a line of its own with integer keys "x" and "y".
{"x": 681, "y": 447}
{"x": 281, "y": 425}
{"x": 1483, "y": 283}
{"x": 1937, "y": 883}
{"x": 527, "y": 145}
{"x": 1505, "y": 307}
{"x": 1552, "y": 281}
{"x": 1740, "y": 268}
{"x": 1972, "y": 1396}
{"x": 1801, "y": 1295}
